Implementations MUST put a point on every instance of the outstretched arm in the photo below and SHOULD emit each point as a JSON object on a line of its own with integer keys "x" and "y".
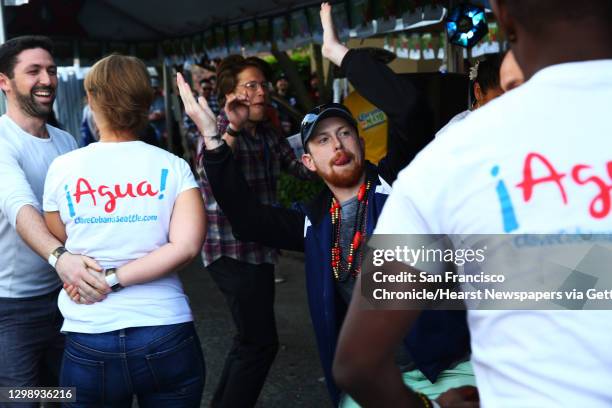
{"x": 21, "y": 207}
{"x": 71, "y": 268}
{"x": 251, "y": 220}
{"x": 372, "y": 78}
{"x": 332, "y": 48}
{"x": 398, "y": 98}
{"x": 364, "y": 364}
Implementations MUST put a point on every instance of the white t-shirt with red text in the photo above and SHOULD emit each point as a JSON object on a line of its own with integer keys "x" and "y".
{"x": 535, "y": 160}
{"x": 116, "y": 200}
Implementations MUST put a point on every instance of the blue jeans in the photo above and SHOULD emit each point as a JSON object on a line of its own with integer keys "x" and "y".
{"x": 31, "y": 344}
{"x": 162, "y": 365}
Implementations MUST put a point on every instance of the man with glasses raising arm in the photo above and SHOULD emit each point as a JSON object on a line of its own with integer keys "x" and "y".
{"x": 244, "y": 271}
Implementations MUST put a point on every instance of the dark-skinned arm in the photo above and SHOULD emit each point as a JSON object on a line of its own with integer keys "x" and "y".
{"x": 364, "y": 365}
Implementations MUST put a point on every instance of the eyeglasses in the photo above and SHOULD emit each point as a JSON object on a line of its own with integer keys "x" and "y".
{"x": 253, "y": 86}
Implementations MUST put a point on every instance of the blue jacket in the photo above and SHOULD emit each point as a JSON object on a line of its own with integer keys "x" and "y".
{"x": 439, "y": 338}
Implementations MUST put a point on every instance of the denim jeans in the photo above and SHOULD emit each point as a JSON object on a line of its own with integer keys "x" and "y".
{"x": 31, "y": 344}
{"x": 162, "y": 365}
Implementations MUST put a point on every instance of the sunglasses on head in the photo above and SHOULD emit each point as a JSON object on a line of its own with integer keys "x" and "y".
{"x": 313, "y": 115}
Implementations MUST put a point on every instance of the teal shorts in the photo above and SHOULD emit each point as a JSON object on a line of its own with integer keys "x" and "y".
{"x": 462, "y": 374}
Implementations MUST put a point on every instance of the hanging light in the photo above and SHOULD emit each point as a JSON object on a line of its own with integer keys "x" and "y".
{"x": 466, "y": 24}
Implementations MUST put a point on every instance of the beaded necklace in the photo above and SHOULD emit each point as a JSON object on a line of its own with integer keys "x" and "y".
{"x": 341, "y": 268}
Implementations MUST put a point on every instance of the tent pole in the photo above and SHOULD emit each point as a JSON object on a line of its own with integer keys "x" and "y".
{"x": 166, "y": 75}
{"x": 2, "y": 28}
{"x": 2, "y": 40}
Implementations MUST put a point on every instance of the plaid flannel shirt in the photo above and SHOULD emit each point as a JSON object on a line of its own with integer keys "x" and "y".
{"x": 261, "y": 157}
{"x": 213, "y": 103}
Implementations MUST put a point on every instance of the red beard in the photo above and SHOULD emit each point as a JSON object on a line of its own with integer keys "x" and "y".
{"x": 346, "y": 177}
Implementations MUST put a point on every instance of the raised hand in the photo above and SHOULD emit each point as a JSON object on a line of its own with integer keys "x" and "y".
{"x": 237, "y": 110}
{"x": 198, "y": 111}
{"x": 332, "y": 48}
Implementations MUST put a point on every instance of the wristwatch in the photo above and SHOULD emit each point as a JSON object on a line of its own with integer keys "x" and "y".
{"x": 54, "y": 256}
{"x": 112, "y": 280}
{"x": 231, "y": 131}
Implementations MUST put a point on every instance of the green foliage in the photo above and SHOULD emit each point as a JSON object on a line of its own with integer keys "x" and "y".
{"x": 301, "y": 57}
{"x": 291, "y": 189}
{"x": 270, "y": 59}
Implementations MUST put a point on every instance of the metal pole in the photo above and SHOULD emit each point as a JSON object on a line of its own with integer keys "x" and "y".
{"x": 454, "y": 53}
{"x": 166, "y": 75}
{"x": 2, "y": 29}
{"x": 2, "y": 40}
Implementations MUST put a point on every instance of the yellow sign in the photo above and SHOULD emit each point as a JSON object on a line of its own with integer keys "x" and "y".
{"x": 372, "y": 124}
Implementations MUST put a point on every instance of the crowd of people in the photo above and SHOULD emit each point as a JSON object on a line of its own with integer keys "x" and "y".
{"x": 92, "y": 238}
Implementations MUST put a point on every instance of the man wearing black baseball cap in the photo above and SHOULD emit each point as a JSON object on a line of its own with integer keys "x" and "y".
{"x": 334, "y": 149}
{"x": 332, "y": 229}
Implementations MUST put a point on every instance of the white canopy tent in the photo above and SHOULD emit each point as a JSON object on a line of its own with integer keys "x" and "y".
{"x": 107, "y": 23}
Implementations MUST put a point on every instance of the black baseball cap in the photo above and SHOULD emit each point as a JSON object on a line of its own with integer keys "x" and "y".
{"x": 315, "y": 116}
